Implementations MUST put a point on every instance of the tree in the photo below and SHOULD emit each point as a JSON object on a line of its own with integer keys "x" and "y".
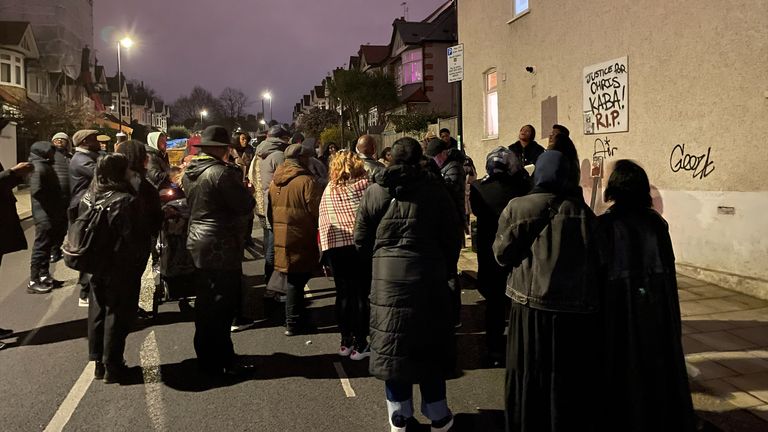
{"x": 188, "y": 108}
{"x": 332, "y": 134}
{"x": 42, "y": 121}
{"x": 178, "y": 131}
{"x": 360, "y": 92}
{"x": 233, "y": 103}
{"x": 414, "y": 122}
{"x": 317, "y": 120}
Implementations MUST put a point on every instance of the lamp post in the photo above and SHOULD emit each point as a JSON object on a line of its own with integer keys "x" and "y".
{"x": 203, "y": 113}
{"x": 267, "y": 96}
{"x": 127, "y": 43}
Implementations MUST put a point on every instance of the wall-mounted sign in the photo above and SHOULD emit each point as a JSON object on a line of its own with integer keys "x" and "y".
{"x": 606, "y": 106}
{"x": 456, "y": 63}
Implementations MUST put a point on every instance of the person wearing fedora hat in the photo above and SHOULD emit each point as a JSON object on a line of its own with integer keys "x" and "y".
{"x": 220, "y": 206}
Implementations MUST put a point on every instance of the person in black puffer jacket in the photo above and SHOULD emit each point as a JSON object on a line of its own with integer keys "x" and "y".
{"x": 220, "y": 207}
{"x": 407, "y": 222}
{"x": 50, "y": 215}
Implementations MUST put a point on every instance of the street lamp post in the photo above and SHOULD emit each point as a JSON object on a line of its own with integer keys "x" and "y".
{"x": 203, "y": 113}
{"x": 127, "y": 43}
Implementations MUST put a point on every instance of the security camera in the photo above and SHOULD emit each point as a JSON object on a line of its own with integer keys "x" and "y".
{"x": 530, "y": 69}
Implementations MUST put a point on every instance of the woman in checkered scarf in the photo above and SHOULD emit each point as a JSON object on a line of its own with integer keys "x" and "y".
{"x": 351, "y": 271}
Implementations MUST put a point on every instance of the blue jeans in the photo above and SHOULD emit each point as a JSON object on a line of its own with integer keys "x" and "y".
{"x": 269, "y": 253}
{"x": 400, "y": 399}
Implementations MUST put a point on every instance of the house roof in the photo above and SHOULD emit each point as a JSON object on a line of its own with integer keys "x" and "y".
{"x": 374, "y": 55}
{"x": 307, "y": 100}
{"x": 319, "y": 92}
{"x": 413, "y": 93}
{"x": 354, "y": 62}
{"x": 440, "y": 28}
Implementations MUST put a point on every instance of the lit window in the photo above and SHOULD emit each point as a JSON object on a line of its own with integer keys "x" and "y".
{"x": 412, "y": 68}
{"x": 521, "y": 7}
{"x": 491, "y": 105}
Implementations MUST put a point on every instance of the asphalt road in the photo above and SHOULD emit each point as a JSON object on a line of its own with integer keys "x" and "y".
{"x": 295, "y": 384}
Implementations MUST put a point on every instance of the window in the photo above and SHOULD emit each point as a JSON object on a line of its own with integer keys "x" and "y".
{"x": 11, "y": 69}
{"x": 520, "y": 8}
{"x": 491, "y": 104}
{"x": 412, "y": 68}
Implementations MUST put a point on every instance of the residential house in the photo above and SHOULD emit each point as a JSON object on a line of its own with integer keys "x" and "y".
{"x": 679, "y": 87}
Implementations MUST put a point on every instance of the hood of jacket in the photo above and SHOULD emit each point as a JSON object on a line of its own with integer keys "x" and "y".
{"x": 398, "y": 179}
{"x": 199, "y": 164}
{"x": 289, "y": 171}
{"x": 551, "y": 174}
{"x": 454, "y": 155}
{"x": 152, "y": 139}
{"x": 41, "y": 151}
{"x": 269, "y": 146}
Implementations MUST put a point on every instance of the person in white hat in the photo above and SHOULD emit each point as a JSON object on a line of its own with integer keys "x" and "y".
{"x": 61, "y": 158}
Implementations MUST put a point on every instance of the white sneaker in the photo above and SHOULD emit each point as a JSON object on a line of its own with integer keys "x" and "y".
{"x": 361, "y": 355}
{"x": 345, "y": 348}
{"x": 234, "y": 328}
{"x": 82, "y": 302}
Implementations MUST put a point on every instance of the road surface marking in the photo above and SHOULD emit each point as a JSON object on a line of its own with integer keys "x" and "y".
{"x": 68, "y": 407}
{"x": 150, "y": 369}
{"x": 345, "y": 384}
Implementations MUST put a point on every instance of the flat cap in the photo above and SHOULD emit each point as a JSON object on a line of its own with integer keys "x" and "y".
{"x": 295, "y": 151}
{"x": 81, "y": 135}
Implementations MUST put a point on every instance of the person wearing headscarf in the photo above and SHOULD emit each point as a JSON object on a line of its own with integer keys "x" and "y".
{"x": 407, "y": 223}
{"x": 543, "y": 238}
{"x": 158, "y": 165}
{"x": 49, "y": 211}
{"x": 642, "y": 361}
{"x": 505, "y": 179}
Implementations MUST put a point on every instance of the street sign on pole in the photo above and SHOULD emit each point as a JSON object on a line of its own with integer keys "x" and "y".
{"x": 456, "y": 63}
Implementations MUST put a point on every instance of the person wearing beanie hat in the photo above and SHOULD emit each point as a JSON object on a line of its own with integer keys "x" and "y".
{"x": 543, "y": 237}
{"x": 49, "y": 211}
{"x": 61, "y": 158}
{"x": 407, "y": 223}
{"x": 220, "y": 207}
{"x": 293, "y": 214}
{"x": 81, "y": 169}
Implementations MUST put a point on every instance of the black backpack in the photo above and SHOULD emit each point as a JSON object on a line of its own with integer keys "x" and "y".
{"x": 90, "y": 241}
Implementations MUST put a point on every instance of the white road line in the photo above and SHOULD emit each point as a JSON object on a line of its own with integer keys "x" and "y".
{"x": 68, "y": 407}
{"x": 150, "y": 368}
{"x": 345, "y": 384}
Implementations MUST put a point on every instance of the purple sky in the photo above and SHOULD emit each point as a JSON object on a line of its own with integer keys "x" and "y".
{"x": 286, "y": 46}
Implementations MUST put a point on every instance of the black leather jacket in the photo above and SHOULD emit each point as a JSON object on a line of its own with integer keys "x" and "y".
{"x": 220, "y": 207}
{"x": 545, "y": 238}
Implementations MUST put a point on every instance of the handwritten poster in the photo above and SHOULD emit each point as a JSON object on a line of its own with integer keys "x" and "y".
{"x": 606, "y": 106}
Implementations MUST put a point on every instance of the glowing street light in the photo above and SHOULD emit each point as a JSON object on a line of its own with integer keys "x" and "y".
{"x": 268, "y": 96}
{"x": 203, "y": 113}
{"x": 125, "y": 42}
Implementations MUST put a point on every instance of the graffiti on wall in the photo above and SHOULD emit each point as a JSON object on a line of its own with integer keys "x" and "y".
{"x": 699, "y": 165}
{"x": 602, "y": 149}
{"x": 605, "y": 98}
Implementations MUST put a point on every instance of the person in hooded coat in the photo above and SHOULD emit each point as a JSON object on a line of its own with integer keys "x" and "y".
{"x": 49, "y": 211}
{"x": 158, "y": 171}
{"x": 642, "y": 360}
{"x": 506, "y": 179}
{"x": 407, "y": 222}
{"x": 293, "y": 213}
{"x": 220, "y": 207}
{"x": 551, "y": 352}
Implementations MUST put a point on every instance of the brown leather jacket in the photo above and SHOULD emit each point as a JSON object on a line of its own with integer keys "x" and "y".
{"x": 295, "y": 201}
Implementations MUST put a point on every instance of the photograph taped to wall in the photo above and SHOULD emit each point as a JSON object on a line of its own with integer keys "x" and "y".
{"x": 606, "y": 97}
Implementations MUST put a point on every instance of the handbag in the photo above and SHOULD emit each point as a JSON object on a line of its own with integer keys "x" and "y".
{"x": 278, "y": 282}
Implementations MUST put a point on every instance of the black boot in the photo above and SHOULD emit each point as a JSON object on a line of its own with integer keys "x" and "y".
{"x": 36, "y": 286}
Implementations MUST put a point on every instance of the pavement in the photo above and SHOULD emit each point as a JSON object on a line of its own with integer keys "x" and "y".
{"x": 23, "y": 203}
{"x": 299, "y": 383}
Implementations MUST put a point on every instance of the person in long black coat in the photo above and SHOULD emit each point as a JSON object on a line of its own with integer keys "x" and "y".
{"x": 506, "y": 179}
{"x": 407, "y": 222}
{"x": 61, "y": 166}
{"x": 642, "y": 362}
{"x": 49, "y": 211}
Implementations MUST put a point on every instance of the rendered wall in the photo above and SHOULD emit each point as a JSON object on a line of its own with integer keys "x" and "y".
{"x": 698, "y": 108}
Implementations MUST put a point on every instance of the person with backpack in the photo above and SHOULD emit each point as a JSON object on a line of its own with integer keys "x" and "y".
{"x": 49, "y": 212}
{"x": 102, "y": 242}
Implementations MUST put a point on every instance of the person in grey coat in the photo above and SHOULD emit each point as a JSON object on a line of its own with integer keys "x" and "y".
{"x": 50, "y": 216}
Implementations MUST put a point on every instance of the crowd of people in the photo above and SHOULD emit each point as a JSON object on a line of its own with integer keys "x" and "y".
{"x": 589, "y": 303}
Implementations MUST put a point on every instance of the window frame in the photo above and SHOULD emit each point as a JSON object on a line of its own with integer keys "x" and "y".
{"x": 487, "y": 92}
{"x": 410, "y": 64}
{"x": 519, "y": 14}
{"x": 16, "y": 70}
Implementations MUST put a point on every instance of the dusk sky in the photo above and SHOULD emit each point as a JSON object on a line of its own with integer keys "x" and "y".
{"x": 286, "y": 46}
